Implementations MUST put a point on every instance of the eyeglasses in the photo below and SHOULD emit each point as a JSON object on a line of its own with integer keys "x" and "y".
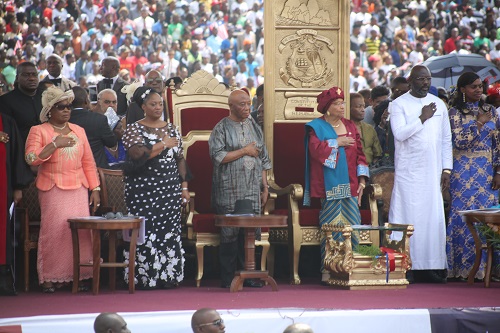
{"x": 339, "y": 104}
{"x": 218, "y": 322}
{"x": 423, "y": 78}
{"x": 61, "y": 107}
{"x": 107, "y": 101}
{"x": 157, "y": 80}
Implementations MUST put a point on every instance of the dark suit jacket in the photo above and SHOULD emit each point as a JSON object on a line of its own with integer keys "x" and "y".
{"x": 24, "y": 109}
{"x": 121, "y": 97}
{"x": 98, "y": 133}
{"x": 66, "y": 84}
{"x": 135, "y": 113}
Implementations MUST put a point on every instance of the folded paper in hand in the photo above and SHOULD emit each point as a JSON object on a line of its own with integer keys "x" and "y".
{"x": 113, "y": 118}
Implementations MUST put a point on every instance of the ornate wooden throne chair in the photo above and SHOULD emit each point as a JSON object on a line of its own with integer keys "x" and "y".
{"x": 286, "y": 191}
{"x": 196, "y": 107}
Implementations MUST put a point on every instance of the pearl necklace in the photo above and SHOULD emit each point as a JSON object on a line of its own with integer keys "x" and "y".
{"x": 59, "y": 128}
{"x": 336, "y": 126}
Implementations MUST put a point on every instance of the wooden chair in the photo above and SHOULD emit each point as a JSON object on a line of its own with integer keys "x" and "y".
{"x": 30, "y": 216}
{"x": 112, "y": 191}
{"x": 199, "y": 104}
{"x": 286, "y": 188}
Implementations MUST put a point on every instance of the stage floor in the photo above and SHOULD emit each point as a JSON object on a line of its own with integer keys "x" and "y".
{"x": 308, "y": 295}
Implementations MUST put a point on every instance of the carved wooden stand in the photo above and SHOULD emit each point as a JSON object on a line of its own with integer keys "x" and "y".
{"x": 350, "y": 270}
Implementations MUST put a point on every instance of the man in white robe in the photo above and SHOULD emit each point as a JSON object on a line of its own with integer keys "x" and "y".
{"x": 423, "y": 163}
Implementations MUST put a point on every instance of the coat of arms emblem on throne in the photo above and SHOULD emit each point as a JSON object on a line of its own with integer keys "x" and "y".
{"x": 306, "y": 66}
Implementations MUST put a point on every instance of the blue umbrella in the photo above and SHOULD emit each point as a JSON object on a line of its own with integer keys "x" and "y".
{"x": 446, "y": 69}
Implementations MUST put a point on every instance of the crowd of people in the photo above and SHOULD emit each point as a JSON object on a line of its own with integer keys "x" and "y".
{"x": 84, "y": 83}
{"x": 173, "y": 37}
{"x": 389, "y": 37}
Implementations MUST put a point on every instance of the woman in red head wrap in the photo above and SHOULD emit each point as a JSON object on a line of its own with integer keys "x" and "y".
{"x": 336, "y": 168}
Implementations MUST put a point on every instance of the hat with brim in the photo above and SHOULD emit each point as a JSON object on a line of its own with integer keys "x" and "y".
{"x": 243, "y": 206}
{"x": 50, "y": 97}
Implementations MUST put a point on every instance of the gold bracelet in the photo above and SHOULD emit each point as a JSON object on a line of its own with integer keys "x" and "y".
{"x": 55, "y": 145}
{"x": 362, "y": 185}
{"x": 96, "y": 189}
{"x": 447, "y": 171}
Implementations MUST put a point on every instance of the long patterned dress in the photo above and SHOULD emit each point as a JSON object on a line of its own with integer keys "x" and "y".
{"x": 475, "y": 155}
{"x": 155, "y": 193}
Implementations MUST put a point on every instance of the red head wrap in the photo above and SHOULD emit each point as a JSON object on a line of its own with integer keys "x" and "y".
{"x": 327, "y": 97}
{"x": 494, "y": 90}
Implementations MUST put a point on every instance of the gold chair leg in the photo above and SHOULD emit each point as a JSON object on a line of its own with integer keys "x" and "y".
{"x": 270, "y": 260}
{"x": 199, "y": 257}
{"x": 295, "y": 263}
{"x": 263, "y": 259}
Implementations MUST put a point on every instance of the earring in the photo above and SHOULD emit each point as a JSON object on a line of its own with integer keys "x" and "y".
{"x": 463, "y": 94}
{"x": 49, "y": 115}
{"x": 328, "y": 113}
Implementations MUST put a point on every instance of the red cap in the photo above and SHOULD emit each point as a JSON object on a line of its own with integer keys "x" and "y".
{"x": 326, "y": 98}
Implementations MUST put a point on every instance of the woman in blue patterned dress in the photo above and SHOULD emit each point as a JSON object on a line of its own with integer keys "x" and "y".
{"x": 476, "y": 170}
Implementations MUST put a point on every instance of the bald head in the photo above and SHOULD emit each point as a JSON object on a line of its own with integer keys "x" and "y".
{"x": 298, "y": 328}
{"x": 239, "y": 105}
{"x": 234, "y": 95}
{"x": 206, "y": 317}
{"x": 109, "y": 322}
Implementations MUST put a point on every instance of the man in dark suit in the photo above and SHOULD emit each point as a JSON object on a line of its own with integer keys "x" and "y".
{"x": 154, "y": 81}
{"x": 54, "y": 67}
{"x": 110, "y": 67}
{"x": 99, "y": 134}
{"x": 23, "y": 103}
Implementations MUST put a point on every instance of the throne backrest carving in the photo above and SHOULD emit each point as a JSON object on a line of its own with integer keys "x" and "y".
{"x": 199, "y": 104}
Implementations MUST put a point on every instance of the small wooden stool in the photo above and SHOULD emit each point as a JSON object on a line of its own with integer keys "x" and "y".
{"x": 96, "y": 224}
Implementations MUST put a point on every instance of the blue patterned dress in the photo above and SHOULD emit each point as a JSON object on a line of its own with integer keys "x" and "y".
{"x": 475, "y": 156}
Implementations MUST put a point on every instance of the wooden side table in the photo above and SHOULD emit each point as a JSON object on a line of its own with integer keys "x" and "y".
{"x": 481, "y": 216}
{"x": 96, "y": 225}
{"x": 249, "y": 223}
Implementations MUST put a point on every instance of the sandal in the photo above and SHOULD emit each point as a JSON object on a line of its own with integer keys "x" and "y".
{"x": 83, "y": 287}
{"x": 48, "y": 288}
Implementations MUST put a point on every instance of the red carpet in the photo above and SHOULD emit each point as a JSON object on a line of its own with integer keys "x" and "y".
{"x": 309, "y": 295}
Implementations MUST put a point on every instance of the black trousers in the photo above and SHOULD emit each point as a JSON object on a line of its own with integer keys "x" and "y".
{"x": 232, "y": 258}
